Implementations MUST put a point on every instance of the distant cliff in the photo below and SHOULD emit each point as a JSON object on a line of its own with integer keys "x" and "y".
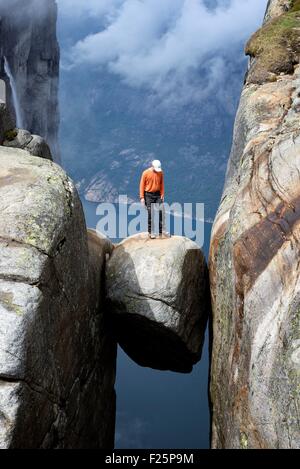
{"x": 29, "y": 44}
{"x": 255, "y": 251}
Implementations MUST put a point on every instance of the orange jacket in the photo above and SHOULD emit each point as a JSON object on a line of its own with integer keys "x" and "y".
{"x": 151, "y": 181}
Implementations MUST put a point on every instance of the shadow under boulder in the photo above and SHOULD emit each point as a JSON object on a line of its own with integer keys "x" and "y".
{"x": 158, "y": 295}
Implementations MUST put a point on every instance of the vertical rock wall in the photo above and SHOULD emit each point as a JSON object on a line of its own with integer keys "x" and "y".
{"x": 255, "y": 251}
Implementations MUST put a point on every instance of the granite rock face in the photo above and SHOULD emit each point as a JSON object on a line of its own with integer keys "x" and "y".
{"x": 57, "y": 362}
{"x": 254, "y": 265}
{"x": 157, "y": 296}
{"x": 29, "y": 44}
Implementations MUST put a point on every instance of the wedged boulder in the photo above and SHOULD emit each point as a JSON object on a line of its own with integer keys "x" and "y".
{"x": 157, "y": 291}
{"x": 57, "y": 363}
{"x": 34, "y": 144}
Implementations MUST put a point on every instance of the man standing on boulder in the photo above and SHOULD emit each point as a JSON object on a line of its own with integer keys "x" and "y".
{"x": 152, "y": 191}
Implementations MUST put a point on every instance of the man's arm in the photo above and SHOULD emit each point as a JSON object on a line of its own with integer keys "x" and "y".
{"x": 142, "y": 187}
{"x": 162, "y": 188}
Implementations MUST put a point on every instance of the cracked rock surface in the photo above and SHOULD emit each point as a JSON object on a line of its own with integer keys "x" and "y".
{"x": 57, "y": 362}
{"x": 255, "y": 271}
{"x": 158, "y": 299}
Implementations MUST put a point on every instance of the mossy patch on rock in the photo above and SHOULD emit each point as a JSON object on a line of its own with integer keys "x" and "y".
{"x": 295, "y": 5}
{"x": 275, "y": 47}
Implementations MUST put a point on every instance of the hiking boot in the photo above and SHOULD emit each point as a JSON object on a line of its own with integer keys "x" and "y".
{"x": 164, "y": 234}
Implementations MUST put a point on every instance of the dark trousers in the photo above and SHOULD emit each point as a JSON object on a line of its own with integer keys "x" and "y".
{"x": 152, "y": 198}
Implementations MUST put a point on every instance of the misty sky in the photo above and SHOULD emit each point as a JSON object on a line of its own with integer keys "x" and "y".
{"x": 178, "y": 49}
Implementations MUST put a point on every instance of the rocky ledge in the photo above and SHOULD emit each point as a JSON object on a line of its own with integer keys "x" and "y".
{"x": 22, "y": 139}
{"x": 12, "y": 137}
{"x": 157, "y": 292}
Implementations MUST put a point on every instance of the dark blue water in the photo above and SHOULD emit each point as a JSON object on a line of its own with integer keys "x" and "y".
{"x": 159, "y": 409}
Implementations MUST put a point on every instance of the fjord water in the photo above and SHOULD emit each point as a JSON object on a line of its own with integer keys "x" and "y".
{"x": 160, "y": 409}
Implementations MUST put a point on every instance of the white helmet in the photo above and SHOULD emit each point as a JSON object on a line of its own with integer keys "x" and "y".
{"x": 156, "y": 164}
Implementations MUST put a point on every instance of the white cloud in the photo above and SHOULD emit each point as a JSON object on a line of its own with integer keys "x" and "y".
{"x": 176, "y": 48}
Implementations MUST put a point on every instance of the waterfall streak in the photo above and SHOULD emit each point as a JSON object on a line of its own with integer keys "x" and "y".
{"x": 16, "y": 103}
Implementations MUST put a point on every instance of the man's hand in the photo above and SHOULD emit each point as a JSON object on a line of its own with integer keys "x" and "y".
{"x": 143, "y": 201}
